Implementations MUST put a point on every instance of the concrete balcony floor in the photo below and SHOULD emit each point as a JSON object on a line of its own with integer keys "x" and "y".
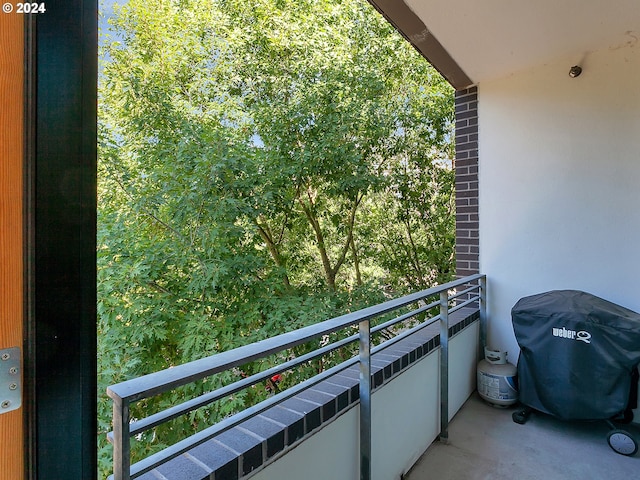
{"x": 485, "y": 444}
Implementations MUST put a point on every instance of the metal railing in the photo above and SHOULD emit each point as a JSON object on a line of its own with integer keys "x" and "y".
{"x": 449, "y": 298}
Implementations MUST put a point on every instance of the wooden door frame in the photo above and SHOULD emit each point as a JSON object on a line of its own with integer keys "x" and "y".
{"x": 60, "y": 231}
{"x": 11, "y": 243}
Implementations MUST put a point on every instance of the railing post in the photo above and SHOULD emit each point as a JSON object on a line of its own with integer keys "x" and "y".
{"x": 121, "y": 440}
{"x": 365, "y": 401}
{"x": 444, "y": 367}
{"x": 483, "y": 315}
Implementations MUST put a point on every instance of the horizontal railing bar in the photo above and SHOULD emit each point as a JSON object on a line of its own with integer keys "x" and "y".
{"x": 207, "y": 398}
{"x": 401, "y": 318}
{"x": 415, "y": 329}
{"x": 404, "y": 335}
{"x": 158, "y": 382}
{"x": 462, "y": 292}
{"x": 463, "y": 304}
{"x": 149, "y": 463}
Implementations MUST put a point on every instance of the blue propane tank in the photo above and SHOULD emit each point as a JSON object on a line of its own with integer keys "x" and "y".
{"x": 497, "y": 382}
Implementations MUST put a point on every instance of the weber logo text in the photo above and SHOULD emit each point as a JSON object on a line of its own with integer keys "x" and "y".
{"x": 581, "y": 336}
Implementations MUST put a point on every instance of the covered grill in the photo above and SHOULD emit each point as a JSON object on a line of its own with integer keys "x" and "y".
{"x": 579, "y": 355}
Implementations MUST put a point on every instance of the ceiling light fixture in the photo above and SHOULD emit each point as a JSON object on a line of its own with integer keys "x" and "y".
{"x": 575, "y": 71}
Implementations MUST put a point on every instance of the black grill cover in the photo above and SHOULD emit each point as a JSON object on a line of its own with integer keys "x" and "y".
{"x": 578, "y": 352}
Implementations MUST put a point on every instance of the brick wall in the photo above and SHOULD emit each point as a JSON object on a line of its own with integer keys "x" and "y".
{"x": 466, "y": 165}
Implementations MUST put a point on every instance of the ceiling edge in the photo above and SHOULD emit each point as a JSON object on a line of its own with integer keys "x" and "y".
{"x": 414, "y": 30}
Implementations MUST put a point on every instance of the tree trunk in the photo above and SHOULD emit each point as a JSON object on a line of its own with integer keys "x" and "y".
{"x": 356, "y": 262}
{"x": 273, "y": 250}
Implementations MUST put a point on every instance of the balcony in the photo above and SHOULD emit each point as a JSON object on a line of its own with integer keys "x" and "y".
{"x": 337, "y": 424}
{"x": 379, "y": 415}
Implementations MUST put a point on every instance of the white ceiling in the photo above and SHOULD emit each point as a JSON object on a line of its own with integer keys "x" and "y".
{"x": 493, "y": 38}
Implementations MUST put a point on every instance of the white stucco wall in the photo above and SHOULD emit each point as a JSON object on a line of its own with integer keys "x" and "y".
{"x": 559, "y": 175}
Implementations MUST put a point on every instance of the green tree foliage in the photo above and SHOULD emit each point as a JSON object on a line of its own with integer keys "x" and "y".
{"x": 264, "y": 165}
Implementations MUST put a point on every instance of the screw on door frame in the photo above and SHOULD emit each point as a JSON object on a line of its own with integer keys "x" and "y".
{"x": 10, "y": 384}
